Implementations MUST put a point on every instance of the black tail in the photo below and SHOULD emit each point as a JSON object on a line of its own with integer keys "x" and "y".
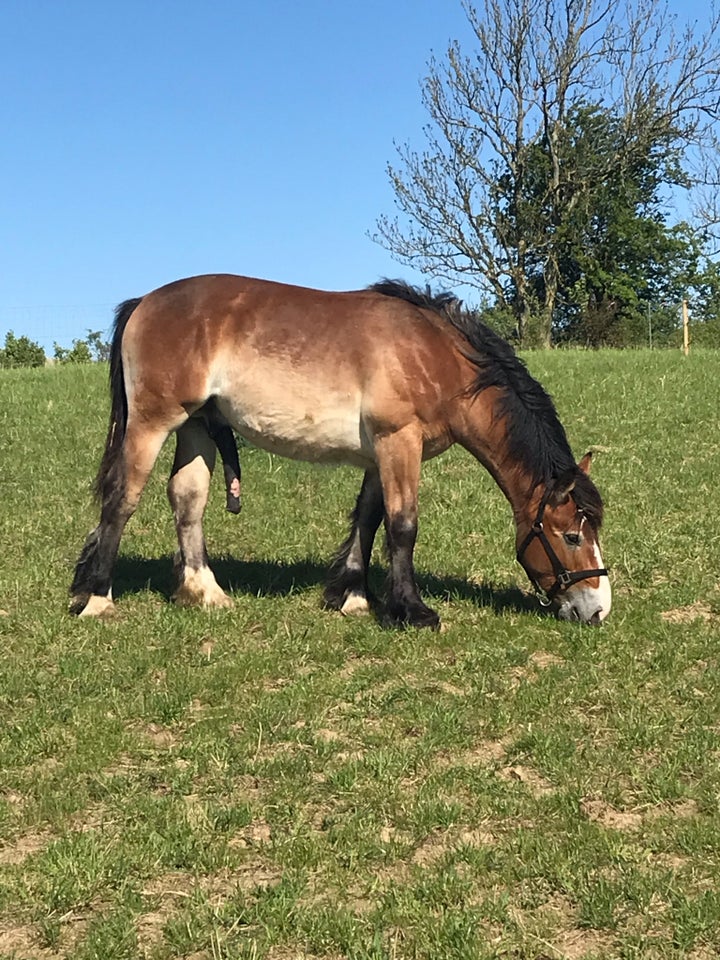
{"x": 110, "y": 481}
{"x": 94, "y": 567}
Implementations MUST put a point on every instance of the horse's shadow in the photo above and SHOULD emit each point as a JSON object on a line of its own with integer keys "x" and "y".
{"x": 279, "y": 578}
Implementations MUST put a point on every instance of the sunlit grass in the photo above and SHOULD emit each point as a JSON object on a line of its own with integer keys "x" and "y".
{"x": 277, "y": 781}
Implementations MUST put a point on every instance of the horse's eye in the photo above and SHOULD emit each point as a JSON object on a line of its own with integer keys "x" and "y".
{"x": 572, "y": 539}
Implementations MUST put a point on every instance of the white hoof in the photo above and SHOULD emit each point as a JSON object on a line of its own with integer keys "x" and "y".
{"x": 98, "y": 607}
{"x": 355, "y": 605}
{"x": 199, "y": 588}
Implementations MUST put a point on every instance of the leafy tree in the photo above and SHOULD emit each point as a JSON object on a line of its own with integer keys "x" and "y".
{"x": 100, "y": 348}
{"x": 500, "y": 197}
{"x": 21, "y": 352}
{"x": 93, "y": 347}
{"x": 705, "y": 307}
{"x": 615, "y": 252}
{"x": 78, "y": 353}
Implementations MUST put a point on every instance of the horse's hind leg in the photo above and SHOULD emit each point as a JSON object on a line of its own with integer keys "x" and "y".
{"x": 347, "y": 588}
{"x": 188, "y": 493}
{"x": 91, "y": 590}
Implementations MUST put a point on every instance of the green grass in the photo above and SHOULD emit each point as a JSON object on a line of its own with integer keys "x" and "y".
{"x": 276, "y": 781}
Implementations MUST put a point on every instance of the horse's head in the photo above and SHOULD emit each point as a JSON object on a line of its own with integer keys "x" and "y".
{"x": 557, "y": 544}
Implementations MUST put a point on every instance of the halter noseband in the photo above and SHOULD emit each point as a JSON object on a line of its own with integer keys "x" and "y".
{"x": 563, "y": 578}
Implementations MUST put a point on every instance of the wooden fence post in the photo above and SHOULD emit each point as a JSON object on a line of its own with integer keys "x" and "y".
{"x": 686, "y": 332}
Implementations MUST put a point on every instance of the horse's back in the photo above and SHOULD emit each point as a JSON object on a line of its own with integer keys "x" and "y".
{"x": 296, "y": 370}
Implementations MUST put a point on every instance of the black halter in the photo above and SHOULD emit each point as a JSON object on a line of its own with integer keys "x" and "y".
{"x": 563, "y": 578}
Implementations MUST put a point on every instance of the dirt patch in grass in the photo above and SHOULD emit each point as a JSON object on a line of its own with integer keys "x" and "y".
{"x": 158, "y": 736}
{"x": 432, "y": 849}
{"x": 95, "y": 817}
{"x": 354, "y": 663}
{"x": 682, "y": 810}
{"x": 255, "y": 834}
{"x": 477, "y": 838}
{"x": 171, "y": 890}
{"x": 21, "y": 941}
{"x": 168, "y": 890}
{"x": 702, "y": 953}
{"x": 607, "y": 816}
{"x": 577, "y": 944}
{"x": 284, "y": 952}
{"x": 538, "y": 661}
{"x": 685, "y": 809}
{"x": 694, "y": 611}
{"x": 536, "y": 784}
{"x": 149, "y": 929}
{"x": 390, "y": 834}
{"x": 436, "y": 845}
{"x": 450, "y": 689}
{"x": 24, "y": 847}
{"x": 541, "y": 659}
{"x": 671, "y": 861}
{"x": 486, "y": 753}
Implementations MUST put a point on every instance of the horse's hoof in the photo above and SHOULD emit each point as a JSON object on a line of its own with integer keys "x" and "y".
{"x": 190, "y": 598}
{"x": 417, "y": 615}
{"x": 355, "y": 605}
{"x": 427, "y": 618}
{"x": 199, "y": 588}
{"x": 94, "y": 607}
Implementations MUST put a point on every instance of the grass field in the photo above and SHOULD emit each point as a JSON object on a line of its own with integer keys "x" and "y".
{"x": 275, "y": 781}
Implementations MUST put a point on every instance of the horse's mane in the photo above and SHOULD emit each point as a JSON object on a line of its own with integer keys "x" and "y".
{"x": 536, "y": 437}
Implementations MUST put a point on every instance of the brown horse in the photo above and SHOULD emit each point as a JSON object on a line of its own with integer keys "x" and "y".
{"x": 381, "y": 378}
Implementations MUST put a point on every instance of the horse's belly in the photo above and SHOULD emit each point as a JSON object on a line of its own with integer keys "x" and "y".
{"x": 306, "y": 423}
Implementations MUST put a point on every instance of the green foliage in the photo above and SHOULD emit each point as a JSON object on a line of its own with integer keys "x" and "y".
{"x": 21, "y": 352}
{"x": 78, "y": 353}
{"x": 99, "y": 348}
{"x": 92, "y": 348}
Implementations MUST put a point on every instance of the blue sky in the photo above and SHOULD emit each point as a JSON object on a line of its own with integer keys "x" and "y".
{"x": 147, "y": 140}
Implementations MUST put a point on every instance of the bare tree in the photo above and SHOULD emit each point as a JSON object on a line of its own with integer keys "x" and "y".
{"x": 490, "y": 197}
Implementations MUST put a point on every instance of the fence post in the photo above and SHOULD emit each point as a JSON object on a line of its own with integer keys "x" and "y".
{"x": 686, "y": 333}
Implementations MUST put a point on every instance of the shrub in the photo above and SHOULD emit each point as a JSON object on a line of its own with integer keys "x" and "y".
{"x": 21, "y": 352}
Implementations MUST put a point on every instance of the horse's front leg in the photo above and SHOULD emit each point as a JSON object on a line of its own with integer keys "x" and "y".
{"x": 347, "y": 587}
{"x": 398, "y": 458}
{"x": 188, "y": 489}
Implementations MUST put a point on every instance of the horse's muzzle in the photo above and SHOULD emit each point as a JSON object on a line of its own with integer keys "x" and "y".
{"x": 584, "y": 606}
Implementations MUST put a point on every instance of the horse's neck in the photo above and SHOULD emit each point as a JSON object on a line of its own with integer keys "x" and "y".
{"x": 485, "y": 436}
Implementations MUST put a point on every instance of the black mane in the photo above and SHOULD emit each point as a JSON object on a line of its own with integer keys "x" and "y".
{"x": 537, "y": 438}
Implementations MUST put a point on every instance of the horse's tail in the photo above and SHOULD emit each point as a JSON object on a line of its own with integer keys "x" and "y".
{"x": 109, "y": 486}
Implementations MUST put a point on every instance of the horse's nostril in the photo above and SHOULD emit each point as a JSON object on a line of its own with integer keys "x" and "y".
{"x": 595, "y": 620}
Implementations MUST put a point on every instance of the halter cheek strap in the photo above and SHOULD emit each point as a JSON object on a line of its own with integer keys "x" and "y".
{"x": 564, "y": 578}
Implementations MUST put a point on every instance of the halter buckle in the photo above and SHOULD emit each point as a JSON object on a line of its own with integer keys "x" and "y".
{"x": 564, "y": 578}
{"x": 543, "y": 599}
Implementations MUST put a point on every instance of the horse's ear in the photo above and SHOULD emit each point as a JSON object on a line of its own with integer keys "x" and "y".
{"x": 563, "y": 487}
{"x": 584, "y": 465}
